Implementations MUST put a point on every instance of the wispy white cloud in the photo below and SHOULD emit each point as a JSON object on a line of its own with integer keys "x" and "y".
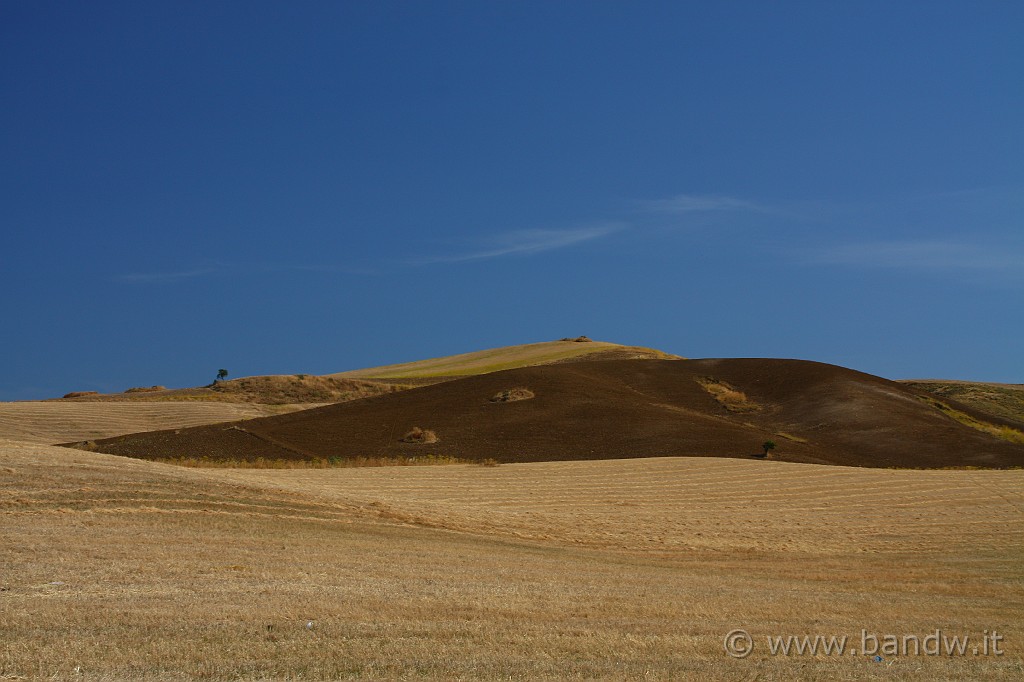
{"x": 692, "y": 203}
{"x": 167, "y": 276}
{"x": 516, "y": 243}
{"x": 922, "y": 254}
{"x": 528, "y": 242}
{"x": 243, "y": 269}
{"x": 326, "y": 268}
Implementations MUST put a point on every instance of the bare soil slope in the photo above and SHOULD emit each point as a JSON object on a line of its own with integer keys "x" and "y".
{"x": 815, "y": 412}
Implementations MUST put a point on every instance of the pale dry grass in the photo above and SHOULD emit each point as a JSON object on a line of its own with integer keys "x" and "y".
{"x": 728, "y": 396}
{"x": 64, "y": 422}
{"x": 117, "y": 569}
{"x": 689, "y": 504}
{"x": 999, "y": 400}
{"x": 319, "y": 463}
{"x": 1002, "y": 431}
{"x": 496, "y": 359}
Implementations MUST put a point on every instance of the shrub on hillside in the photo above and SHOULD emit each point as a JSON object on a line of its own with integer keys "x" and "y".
{"x": 727, "y": 396}
{"x": 145, "y": 389}
{"x": 510, "y": 395}
{"x": 419, "y": 436}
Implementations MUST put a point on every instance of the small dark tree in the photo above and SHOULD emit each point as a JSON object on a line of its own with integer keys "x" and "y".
{"x": 768, "y": 446}
{"x": 222, "y": 374}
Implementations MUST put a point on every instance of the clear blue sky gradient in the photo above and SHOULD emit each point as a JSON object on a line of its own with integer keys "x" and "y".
{"x": 274, "y": 187}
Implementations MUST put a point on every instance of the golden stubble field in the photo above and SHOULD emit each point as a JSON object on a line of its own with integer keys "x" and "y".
{"x": 62, "y": 422}
{"x": 117, "y": 569}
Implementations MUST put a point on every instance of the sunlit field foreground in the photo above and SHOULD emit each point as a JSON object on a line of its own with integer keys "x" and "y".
{"x": 115, "y": 569}
{"x": 56, "y": 422}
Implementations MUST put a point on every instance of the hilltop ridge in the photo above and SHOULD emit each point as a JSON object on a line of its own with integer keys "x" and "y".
{"x": 288, "y": 389}
{"x": 577, "y": 349}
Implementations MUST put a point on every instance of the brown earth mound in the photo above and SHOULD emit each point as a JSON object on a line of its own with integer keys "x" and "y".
{"x": 301, "y": 388}
{"x": 262, "y": 390}
{"x": 614, "y": 409}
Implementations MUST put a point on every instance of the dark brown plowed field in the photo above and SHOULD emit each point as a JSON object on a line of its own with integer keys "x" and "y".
{"x": 614, "y": 409}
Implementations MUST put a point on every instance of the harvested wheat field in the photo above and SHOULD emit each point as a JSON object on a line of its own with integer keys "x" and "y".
{"x": 120, "y": 569}
{"x": 60, "y": 421}
{"x": 601, "y": 563}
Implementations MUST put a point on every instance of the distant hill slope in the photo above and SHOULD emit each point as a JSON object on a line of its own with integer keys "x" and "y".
{"x": 509, "y": 357}
{"x": 1003, "y": 401}
{"x": 616, "y": 409}
{"x": 287, "y": 389}
{"x": 264, "y": 390}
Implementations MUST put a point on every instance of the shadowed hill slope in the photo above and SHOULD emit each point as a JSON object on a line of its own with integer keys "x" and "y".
{"x": 615, "y": 409}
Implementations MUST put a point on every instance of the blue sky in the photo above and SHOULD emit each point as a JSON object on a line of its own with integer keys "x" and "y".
{"x": 311, "y": 187}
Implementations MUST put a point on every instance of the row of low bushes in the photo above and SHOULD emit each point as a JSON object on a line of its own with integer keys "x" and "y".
{"x": 205, "y": 462}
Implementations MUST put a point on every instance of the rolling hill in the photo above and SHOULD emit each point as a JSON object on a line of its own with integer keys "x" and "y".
{"x": 288, "y": 389}
{"x": 816, "y": 413}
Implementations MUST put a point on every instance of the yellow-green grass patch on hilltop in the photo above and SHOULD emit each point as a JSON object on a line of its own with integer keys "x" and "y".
{"x": 999, "y": 400}
{"x": 509, "y": 357}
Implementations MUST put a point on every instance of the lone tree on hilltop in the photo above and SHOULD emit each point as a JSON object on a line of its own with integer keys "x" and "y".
{"x": 768, "y": 446}
{"x": 222, "y": 374}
